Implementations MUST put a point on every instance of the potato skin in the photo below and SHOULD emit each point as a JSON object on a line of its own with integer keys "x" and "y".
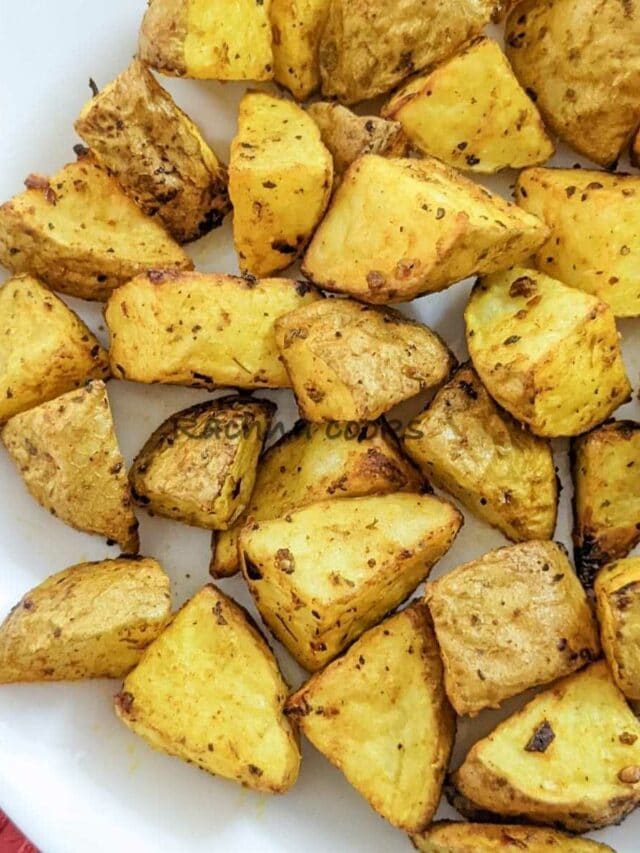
{"x": 297, "y": 26}
{"x": 204, "y": 330}
{"x": 162, "y": 35}
{"x": 617, "y": 591}
{"x": 567, "y": 65}
{"x": 45, "y": 348}
{"x": 450, "y": 837}
{"x": 212, "y": 663}
{"x": 380, "y": 714}
{"x": 92, "y": 620}
{"x": 348, "y": 361}
{"x": 465, "y": 444}
{"x": 511, "y": 620}
{"x": 199, "y": 466}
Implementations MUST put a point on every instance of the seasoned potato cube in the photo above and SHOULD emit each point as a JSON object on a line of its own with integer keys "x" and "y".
{"x": 511, "y": 620}
{"x": 352, "y": 362}
{"x": 606, "y": 495}
{"x": 594, "y": 219}
{"x": 68, "y": 456}
{"x": 224, "y": 40}
{"x": 297, "y": 26}
{"x": 448, "y": 837}
{"x": 570, "y": 757}
{"x": 380, "y": 714}
{"x": 617, "y": 589}
{"x": 79, "y": 233}
{"x": 199, "y": 466}
{"x": 280, "y": 178}
{"x": 368, "y": 46}
{"x": 547, "y": 353}
{"x": 209, "y": 691}
{"x": 399, "y": 228}
{"x": 156, "y": 152}
{"x": 203, "y": 330}
{"x": 468, "y": 446}
{"x": 325, "y": 573}
{"x": 45, "y": 349}
{"x": 92, "y": 620}
{"x": 314, "y": 462}
{"x": 451, "y": 113}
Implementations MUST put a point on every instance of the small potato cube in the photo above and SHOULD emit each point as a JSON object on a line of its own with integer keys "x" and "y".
{"x": 92, "y": 620}
{"x": 448, "y": 837}
{"x": 617, "y": 590}
{"x": 468, "y": 446}
{"x": 400, "y": 228}
{"x": 68, "y": 456}
{"x": 351, "y": 362}
{"x": 280, "y": 178}
{"x": 199, "y": 466}
{"x": 297, "y": 27}
{"x": 209, "y": 691}
{"x": 511, "y": 620}
{"x": 381, "y": 716}
{"x": 325, "y": 573}
{"x": 547, "y": 353}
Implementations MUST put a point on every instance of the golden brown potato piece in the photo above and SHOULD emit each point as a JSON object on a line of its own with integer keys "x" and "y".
{"x": 68, "y": 456}
{"x": 368, "y": 46}
{"x": 224, "y": 40}
{"x": 451, "y": 113}
{"x": 92, "y": 620}
{"x": 617, "y": 589}
{"x": 448, "y": 837}
{"x": 511, "y": 620}
{"x": 594, "y": 219}
{"x": 45, "y": 349}
{"x": 352, "y": 362}
{"x": 80, "y": 234}
{"x": 280, "y": 178}
{"x": 399, "y": 228}
{"x": 297, "y": 26}
{"x": 325, "y": 573}
{"x": 606, "y": 496}
{"x": 585, "y": 79}
{"x": 471, "y": 448}
{"x": 570, "y": 757}
{"x": 135, "y": 129}
{"x": 547, "y": 353}
{"x": 380, "y": 714}
{"x": 199, "y": 466}
{"x": 209, "y": 691}
{"x": 205, "y": 330}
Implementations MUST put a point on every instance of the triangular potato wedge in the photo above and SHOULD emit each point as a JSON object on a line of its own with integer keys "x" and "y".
{"x": 380, "y": 714}
{"x": 209, "y": 691}
{"x": 68, "y": 456}
{"x": 45, "y": 349}
{"x": 449, "y": 837}
{"x": 81, "y": 235}
{"x": 570, "y": 758}
{"x": 92, "y": 620}
{"x": 399, "y": 228}
{"x": 297, "y": 27}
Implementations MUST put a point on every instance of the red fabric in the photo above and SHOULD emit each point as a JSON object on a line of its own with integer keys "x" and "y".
{"x": 11, "y": 839}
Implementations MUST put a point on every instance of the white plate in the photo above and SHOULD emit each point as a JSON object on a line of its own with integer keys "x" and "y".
{"x": 71, "y": 775}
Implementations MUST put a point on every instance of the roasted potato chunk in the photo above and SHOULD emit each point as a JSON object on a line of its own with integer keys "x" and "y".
{"x": 606, "y": 495}
{"x": 203, "y": 330}
{"x": 468, "y": 446}
{"x": 280, "y": 178}
{"x": 314, "y": 462}
{"x": 297, "y": 26}
{"x": 451, "y": 113}
{"x": 199, "y": 466}
{"x": 325, "y": 573}
{"x": 92, "y": 620}
{"x": 209, "y": 691}
{"x": 380, "y": 714}
{"x": 351, "y": 362}
{"x": 399, "y": 228}
{"x": 368, "y": 46}
{"x": 79, "y": 233}
{"x": 567, "y": 66}
{"x": 45, "y": 349}
{"x": 68, "y": 456}
{"x": 570, "y": 757}
{"x": 135, "y": 129}
{"x": 511, "y": 620}
{"x": 617, "y": 590}
{"x": 547, "y": 353}
{"x": 210, "y": 41}
{"x": 449, "y": 837}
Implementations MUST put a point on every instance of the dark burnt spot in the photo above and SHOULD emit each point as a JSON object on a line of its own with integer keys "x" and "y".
{"x": 523, "y": 286}
{"x": 285, "y": 561}
{"x": 253, "y": 769}
{"x": 589, "y": 558}
{"x": 253, "y": 572}
{"x": 542, "y": 738}
{"x": 125, "y": 701}
{"x": 283, "y": 247}
{"x": 303, "y": 287}
{"x": 217, "y": 612}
